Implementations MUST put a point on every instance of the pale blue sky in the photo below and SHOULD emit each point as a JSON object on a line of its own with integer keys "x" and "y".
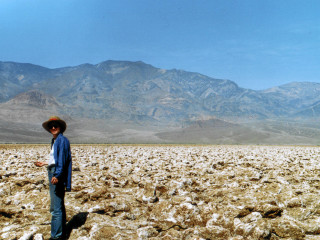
{"x": 255, "y": 43}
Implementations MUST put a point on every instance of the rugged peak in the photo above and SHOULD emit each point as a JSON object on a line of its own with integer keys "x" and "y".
{"x": 22, "y": 67}
{"x": 117, "y": 64}
{"x": 34, "y": 98}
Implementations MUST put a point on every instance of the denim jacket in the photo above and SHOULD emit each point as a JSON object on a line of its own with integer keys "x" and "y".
{"x": 62, "y": 157}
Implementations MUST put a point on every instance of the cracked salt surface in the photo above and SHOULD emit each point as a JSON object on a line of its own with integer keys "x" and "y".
{"x": 167, "y": 192}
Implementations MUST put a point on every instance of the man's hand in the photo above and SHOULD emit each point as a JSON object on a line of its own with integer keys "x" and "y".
{"x": 40, "y": 164}
{"x": 54, "y": 180}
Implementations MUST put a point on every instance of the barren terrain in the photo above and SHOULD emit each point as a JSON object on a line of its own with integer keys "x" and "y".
{"x": 164, "y": 192}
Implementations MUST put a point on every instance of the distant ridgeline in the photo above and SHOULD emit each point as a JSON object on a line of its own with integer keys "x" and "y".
{"x": 121, "y": 101}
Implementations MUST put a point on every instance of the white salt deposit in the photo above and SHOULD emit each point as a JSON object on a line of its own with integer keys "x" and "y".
{"x": 185, "y": 192}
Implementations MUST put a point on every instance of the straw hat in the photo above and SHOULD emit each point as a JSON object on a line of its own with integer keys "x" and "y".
{"x": 61, "y": 123}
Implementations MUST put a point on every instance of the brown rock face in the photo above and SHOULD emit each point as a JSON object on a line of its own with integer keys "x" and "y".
{"x": 166, "y": 192}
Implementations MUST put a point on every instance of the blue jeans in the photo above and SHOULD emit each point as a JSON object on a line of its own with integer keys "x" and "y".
{"x": 57, "y": 208}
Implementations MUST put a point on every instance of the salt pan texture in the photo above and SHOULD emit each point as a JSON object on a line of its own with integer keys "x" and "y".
{"x": 167, "y": 192}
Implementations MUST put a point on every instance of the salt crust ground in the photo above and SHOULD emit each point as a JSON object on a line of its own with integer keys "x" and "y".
{"x": 167, "y": 192}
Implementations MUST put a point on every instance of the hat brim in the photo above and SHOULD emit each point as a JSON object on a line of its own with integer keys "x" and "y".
{"x": 62, "y": 124}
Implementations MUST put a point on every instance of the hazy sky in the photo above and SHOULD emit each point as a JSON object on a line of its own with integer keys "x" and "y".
{"x": 255, "y": 43}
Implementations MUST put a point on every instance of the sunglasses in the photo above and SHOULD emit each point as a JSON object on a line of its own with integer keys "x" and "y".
{"x": 53, "y": 125}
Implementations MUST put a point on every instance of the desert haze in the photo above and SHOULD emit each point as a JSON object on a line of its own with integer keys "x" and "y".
{"x": 167, "y": 192}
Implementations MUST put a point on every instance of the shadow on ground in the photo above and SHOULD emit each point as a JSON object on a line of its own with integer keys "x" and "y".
{"x": 76, "y": 222}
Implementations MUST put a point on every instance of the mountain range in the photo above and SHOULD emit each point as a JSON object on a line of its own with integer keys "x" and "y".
{"x": 134, "y": 102}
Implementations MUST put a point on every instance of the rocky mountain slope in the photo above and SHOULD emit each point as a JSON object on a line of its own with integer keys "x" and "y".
{"x": 135, "y": 95}
{"x": 135, "y": 89}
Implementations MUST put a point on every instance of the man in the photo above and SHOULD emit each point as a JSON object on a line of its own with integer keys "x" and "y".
{"x": 59, "y": 173}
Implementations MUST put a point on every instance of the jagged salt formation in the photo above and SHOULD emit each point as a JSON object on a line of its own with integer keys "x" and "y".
{"x": 167, "y": 192}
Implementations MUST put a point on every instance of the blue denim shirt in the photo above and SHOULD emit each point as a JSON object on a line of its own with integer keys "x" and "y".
{"x": 63, "y": 160}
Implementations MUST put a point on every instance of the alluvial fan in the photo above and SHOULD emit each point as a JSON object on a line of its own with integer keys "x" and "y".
{"x": 164, "y": 192}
